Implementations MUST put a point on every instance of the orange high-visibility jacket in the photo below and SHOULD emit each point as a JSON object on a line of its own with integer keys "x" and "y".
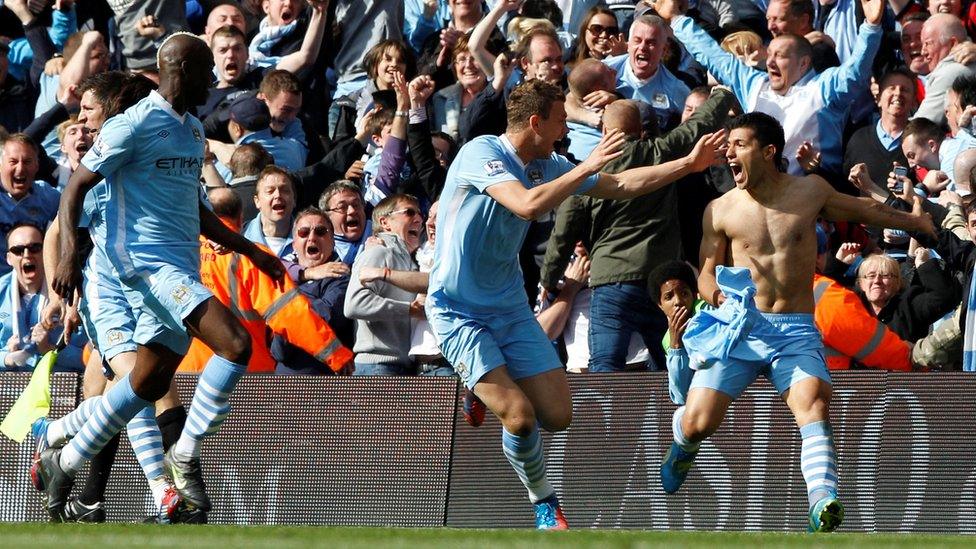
{"x": 260, "y": 305}
{"x": 851, "y": 331}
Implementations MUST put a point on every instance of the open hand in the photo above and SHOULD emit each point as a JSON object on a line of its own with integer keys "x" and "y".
{"x": 669, "y": 9}
{"x": 610, "y": 147}
{"x": 709, "y": 150}
{"x": 848, "y": 252}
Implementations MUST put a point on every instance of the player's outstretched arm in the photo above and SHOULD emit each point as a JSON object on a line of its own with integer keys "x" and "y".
{"x": 529, "y": 204}
{"x": 67, "y": 279}
{"x": 637, "y": 181}
{"x": 213, "y": 228}
{"x": 713, "y": 252}
{"x": 843, "y": 207}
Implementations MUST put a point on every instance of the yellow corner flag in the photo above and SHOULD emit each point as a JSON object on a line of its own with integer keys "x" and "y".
{"x": 34, "y": 403}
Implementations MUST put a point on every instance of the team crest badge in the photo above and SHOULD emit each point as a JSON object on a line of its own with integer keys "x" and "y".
{"x": 196, "y": 135}
{"x": 463, "y": 371}
{"x": 180, "y": 293}
{"x": 114, "y": 336}
{"x": 535, "y": 176}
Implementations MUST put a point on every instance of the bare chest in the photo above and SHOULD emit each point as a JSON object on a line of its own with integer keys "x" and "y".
{"x": 754, "y": 229}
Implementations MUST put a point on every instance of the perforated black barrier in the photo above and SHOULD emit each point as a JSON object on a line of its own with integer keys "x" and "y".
{"x": 905, "y": 444}
{"x": 394, "y": 451}
{"x": 18, "y": 500}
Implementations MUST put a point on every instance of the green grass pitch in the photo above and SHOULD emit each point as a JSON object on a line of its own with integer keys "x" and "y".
{"x": 118, "y": 536}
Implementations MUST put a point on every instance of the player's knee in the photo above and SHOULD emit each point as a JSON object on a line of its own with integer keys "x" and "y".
{"x": 519, "y": 419}
{"x": 817, "y": 409}
{"x": 697, "y": 425}
{"x": 151, "y": 391}
{"x": 237, "y": 348}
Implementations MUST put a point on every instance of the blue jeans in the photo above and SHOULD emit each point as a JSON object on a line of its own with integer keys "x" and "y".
{"x": 616, "y": 312}
{"x": 382, "y": 370}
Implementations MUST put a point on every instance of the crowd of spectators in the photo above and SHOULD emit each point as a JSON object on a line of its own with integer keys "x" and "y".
{"x": 332, "y": 124}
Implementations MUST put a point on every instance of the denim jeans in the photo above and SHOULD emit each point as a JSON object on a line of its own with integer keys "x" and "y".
{"x": 382, "y": 370}
{"x": 616, "y": 312}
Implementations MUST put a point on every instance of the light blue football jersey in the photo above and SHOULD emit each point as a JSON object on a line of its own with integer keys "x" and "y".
{"x": 151, "y": 158}
{"x": 476, "y": 264}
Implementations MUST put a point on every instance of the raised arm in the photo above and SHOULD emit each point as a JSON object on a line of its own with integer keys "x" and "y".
{"x": 311, "y": 44}
{"x": 726, "y": 68}
{"x": 713, "y": 252}
{"x": 855, "y": 74}
{"x": 77, "y": 68}
{"x": 478, "y": 44}
{"x": 639, "y": 181}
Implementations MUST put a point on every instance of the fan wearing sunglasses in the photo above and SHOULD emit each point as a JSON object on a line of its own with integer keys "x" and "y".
{"x": 23, "y": 295}
{"x": 599, "y": 36}
{"x": 323, "y": 279}
{"x": 266, "y": 309}
{"x": 383, "y": 312}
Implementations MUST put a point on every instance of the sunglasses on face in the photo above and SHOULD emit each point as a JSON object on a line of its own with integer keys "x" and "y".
{"x": 34, "y": 247}
{"x": 597, "y": 30}
{"x": 409, "y": 211}
{"x": 320, "y": 230}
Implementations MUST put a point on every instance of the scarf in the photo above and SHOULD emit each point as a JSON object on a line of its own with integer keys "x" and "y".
{"x": 265, "y": 40}
{"x": 21, "y": 324}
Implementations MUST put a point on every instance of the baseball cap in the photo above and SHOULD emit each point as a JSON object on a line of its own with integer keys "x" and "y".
{"x": 250, "y": 112}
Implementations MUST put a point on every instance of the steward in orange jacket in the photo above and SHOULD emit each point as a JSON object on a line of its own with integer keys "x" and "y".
{"x": 851, "y": 332}
{"x": 262, "y": 307}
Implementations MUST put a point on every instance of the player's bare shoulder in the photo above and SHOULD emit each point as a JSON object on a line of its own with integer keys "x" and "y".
{"x": 812, "y": 188}
{"x": 720, "y": 209}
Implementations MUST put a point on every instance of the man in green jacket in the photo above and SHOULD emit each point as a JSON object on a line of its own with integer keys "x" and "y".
{"x": 629, "y": 238}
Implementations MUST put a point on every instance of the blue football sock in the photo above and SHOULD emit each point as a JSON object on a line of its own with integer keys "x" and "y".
{"x": 818, "y": 460}
{"x": 147, "y": 442}
{"x": 114, "y": 410}
{"x": 526, "y": 456}
{"x": 68, "y": 426}
{"x": 211, "y": 404}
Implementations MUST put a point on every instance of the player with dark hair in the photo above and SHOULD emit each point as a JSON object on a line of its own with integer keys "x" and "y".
{"x": 476, "y": 303}
{"x": 758, "y": 255}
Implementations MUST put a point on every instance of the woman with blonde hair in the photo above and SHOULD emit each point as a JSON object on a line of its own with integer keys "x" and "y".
{"x": 909, "y": 309}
